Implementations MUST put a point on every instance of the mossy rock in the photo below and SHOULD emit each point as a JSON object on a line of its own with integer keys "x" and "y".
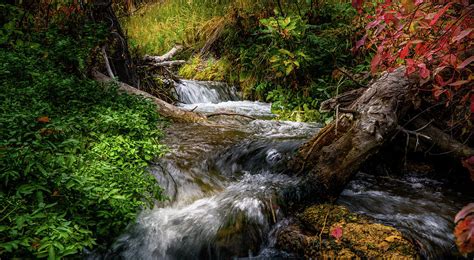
{"x": 330, "y": 231}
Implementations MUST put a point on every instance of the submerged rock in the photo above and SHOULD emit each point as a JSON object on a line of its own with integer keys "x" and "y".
{"x": 331, "y": 231}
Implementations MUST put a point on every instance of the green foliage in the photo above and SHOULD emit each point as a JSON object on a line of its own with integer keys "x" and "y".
{"x": 199, "y": 68}
{"x": 285, "y": 33}
{"x": 275, "y": 54}
{"x": 73, "y": 154}
{"x": 289, "y": 60}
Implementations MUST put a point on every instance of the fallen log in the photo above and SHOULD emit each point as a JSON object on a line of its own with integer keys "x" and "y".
{"x": 329, "y": 159}
{"x": 165, "y": 109}
{"x": 431, "y": 135}
{"x": 165, "y": 57}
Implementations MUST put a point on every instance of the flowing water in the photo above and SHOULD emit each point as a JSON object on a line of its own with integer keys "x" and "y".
{"x": 224, "y": 186}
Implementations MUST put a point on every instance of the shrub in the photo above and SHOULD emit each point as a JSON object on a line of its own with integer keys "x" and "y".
{"x": 73, "y": 154}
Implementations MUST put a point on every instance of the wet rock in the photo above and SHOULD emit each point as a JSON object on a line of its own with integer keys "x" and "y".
{"x": 238, "y": 237}
{"x": 330, "y": 231}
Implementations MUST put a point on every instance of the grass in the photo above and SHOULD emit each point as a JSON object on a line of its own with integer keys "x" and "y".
{"x": 158, "y": 27}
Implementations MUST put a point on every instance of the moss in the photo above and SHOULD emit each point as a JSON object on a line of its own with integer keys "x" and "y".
{"x": 310, "y": 236}
{"x": 200, "y": 68}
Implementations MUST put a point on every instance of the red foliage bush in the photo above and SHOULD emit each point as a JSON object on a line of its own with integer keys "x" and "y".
{"x": 431, "y": 38}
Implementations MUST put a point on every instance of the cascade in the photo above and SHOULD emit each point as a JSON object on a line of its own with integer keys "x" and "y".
{"x": 223, "y": 185}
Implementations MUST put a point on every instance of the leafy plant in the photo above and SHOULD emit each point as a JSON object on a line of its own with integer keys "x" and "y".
{"x": 73, "y": 154}
{"x": 431, "y": 38}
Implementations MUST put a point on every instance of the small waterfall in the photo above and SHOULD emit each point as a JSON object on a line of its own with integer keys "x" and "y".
{"x": 217, "y": 97}
{"x": 192, "y": 91}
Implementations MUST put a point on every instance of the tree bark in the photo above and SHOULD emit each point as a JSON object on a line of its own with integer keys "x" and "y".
{"x": 163, "y": 108}
{"x": 330, "y": 158}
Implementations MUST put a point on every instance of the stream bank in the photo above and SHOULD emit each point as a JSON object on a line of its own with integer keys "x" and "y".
{"x": 225, "y": 182}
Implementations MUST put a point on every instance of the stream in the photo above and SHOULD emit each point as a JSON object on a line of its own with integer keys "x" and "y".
{"x": 225, "y": 181}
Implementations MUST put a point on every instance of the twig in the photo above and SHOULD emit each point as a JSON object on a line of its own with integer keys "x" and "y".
{"x": 172, "y": 178}
{"x": 273, "y": 212}
{"x": 351, "y": 78}
{"x": 322, "y": 230}
{"x": 425, "y": 126}
{"x": 337, "y": 119}
{"x": 415, "y": 133}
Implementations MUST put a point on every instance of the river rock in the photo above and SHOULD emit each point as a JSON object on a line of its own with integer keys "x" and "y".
{"x": 331, "y": 231}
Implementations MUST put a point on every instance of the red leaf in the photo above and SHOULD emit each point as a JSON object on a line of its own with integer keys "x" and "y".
{"x": 464, "y": 233}
{"x": 389, "y": 17}
{"x": 440, "y": 13}
{"x": 336, "y": 233}
{"x": 440, "y": 80}
{"x": 465, "y": 62}
{"x": 450, "y": 59}
{"x": 357, "y": 4}
{"x": 469, "y": 209}
{"x": 424, "y": 72}
{"x": 410, "y": 66}
{"x": 405, "y": 50}
{"x": 438, "y": 91}
{"x": 462, "y": 34}
{"x": 361, "y": 42}
{"x": 375, "y": 63}
{"x": 420, "y": 48}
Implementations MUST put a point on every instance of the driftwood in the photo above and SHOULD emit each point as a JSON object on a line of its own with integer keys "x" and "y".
{"x": 165, "y": 57}
{"x": 165, "y": 109}
{"x": 330, "y": 158}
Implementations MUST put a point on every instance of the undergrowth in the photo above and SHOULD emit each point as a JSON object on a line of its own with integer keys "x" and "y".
{"x": 290, "y": 54}
{"x": 73, "y": 154}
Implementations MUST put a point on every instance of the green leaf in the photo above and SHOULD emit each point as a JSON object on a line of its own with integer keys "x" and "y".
{"x": 51, "y": 253}
{"x": 289, "y": 69}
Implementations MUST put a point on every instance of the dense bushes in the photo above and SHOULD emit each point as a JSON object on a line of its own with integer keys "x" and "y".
{"x": 73, "y": 154}
{"x": 289, "y": 60}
